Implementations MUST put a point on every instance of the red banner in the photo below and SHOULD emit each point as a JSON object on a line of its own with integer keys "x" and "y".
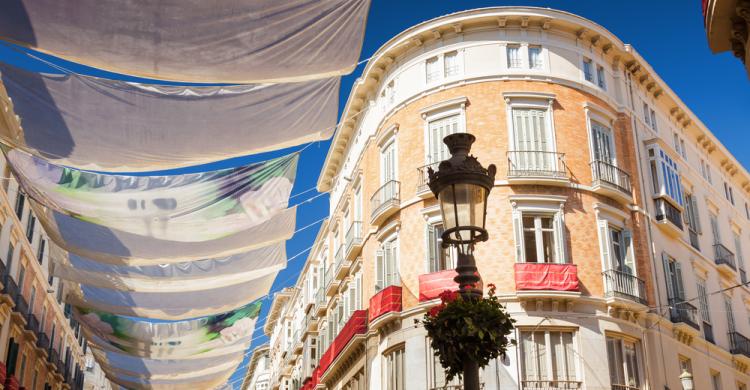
{"x": 544, "y": 276}
{"x": 357, "y": 324}
{"x": 385, "y": 301}
{"x": 431, "y": 285}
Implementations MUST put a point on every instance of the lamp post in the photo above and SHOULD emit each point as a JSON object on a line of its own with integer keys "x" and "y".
{"x": 462, "y": 185}
{"x": 686, "y": 378}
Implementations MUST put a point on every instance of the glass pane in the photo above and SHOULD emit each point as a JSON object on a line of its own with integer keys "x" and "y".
{"x": 546, "y": 222}
{"x": 548, "y": 246}
{"x": 529, "y": 242}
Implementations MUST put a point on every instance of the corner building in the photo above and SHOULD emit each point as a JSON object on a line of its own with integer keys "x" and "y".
{"x": 581, "y": 130}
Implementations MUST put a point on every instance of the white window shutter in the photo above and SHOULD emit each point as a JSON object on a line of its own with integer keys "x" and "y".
{"x": 431, "y": 252}
{"x": 518, "y": 236}
{"x": 696, "y": 214}
{"x": 627, "y": 238}
{"x": 379, "y": 269}
{"x": 668, "y": 276}
{"x": 395, "y": 279}
{"x": 604, "y": 243}
{"x": 360, "y": 292}
{"x": 679, "y": 289}
{"x": 559, "y": 225}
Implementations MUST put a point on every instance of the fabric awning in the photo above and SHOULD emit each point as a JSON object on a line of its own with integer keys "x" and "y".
{"x": 116, "y": 126}
{"x": 186, "y": 276}
{"x": 228, "y": 41}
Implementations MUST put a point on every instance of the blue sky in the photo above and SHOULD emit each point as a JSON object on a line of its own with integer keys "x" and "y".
{"x": 668, "y": 33}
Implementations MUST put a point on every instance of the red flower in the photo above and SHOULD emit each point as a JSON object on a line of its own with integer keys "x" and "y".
{"x": 448, "y": 296}
{"x": 435, "y": 310}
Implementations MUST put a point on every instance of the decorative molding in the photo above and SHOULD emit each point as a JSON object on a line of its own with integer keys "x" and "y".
{"x": 451, "y": 103}
{"x": 509, "y": 96}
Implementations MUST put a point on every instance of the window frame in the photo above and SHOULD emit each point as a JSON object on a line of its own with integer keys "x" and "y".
{"x": 622, "y": 341}
{"x": 535, "y": 205}
{"x": 549, "y": 374}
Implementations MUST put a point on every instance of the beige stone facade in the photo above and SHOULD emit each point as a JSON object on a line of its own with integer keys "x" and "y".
{"x": 727, "y": 24}
{"x": 588, "y": 219}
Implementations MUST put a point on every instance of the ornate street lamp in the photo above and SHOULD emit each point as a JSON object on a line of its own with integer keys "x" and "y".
{"x": 462, "y": 185}
{"x": 686, "y": 378}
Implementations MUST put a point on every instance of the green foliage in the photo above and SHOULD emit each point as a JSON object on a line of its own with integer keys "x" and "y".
{"x": 463, "y": 328}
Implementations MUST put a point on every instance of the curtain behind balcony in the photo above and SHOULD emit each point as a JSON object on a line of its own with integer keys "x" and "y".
{"x": 229, "y": 41}
{"x": 117, "y": 126}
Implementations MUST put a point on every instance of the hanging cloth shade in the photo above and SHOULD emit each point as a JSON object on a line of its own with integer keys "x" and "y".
{"x": 177, "y": 277}
{"x": 224, "y": 41}
{"x": 116, "y": 126}
{"x": 208, "y": 336}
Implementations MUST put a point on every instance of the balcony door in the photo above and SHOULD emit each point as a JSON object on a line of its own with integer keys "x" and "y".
{"x": 437, "y": 130}
{"x": 603, "y": 146}
{"x": 532, "y": 147}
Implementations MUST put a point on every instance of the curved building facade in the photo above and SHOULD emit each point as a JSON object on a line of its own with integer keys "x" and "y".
{"x": 589, "y": 192}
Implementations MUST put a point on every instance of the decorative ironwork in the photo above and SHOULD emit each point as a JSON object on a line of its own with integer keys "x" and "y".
{"x": 683, "y": 312}
{"x": 536, "y": 163}
{"x": 724, "y": 256}
{"x": 607, "y": 173}
{"x": 624, "y": 285}
{"x": 665, "y": 210}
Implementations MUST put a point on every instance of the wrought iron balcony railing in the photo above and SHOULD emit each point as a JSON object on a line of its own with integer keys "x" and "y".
{"x": 665, "y": 211}
{"x": 536, "y": 164}
{"x": 353, "y": 236}
{"x": 694, "y": 238}
{"x": 740, "y": 345}
{"x": 388, "y": 195}
{"x": 624, "y": 285}
{"x": 724, "y": 256}
{"x": 550, "y": 385}
{"x": 423, "y": 178}
{"x": 683, "y": 312}
{"x": 708, "y": 332}
{"x": 607, "y": 173}
{"x": 32, "y": 323}
{"x": 42, "y": 340}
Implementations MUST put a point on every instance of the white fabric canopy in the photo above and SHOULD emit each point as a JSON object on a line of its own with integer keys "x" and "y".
{"x": 116, "y": 126}
{"x": 187, "y": 276}
{"x": 211, "y": 381}
{"x": 231, "y": 41}
{"x": 179, "y": 369}
{"x": 116, "y": 247}
{"x": 170, "y": 305}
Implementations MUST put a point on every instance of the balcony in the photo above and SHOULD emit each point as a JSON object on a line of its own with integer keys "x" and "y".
{"x": 321, "y": 302}
{"x": 724, "y": 259}
{"x": 618, "y": 284}
{"x": 611, "y": 181}
{"x": 432, "y": 284}
{"x": 354, "y": 329}
{"x": 342, "y": 264}
{"x": 385, "y": 202}
{"x": 668, "y": 217}
{"x": 32, "y": 323}
{"x": 546, "y": 277}
{"x": 330, "y": 282}
{"x": 42, "y": 341}
{"x": 311, "y": 324}
{"x": 739, "y": 344}
{"x": 423, "y": 178}
{"x": 537, "y": 167}
{"x": 551, "y": 385}
{"x": 297, "y": 343}
{"x": 354, "y": 239}
{"x": 625, "y": 387}
{"x": 683, "y": 313}
{"x": 387, "y": 300}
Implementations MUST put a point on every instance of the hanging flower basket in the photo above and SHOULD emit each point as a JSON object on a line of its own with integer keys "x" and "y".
{"x": 474, "y": 329}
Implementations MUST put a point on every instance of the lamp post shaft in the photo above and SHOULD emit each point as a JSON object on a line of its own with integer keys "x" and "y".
{"x": 471, "y": 375}
{"x": 468, "y": 279}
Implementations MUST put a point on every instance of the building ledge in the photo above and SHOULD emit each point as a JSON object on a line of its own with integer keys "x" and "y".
{"x": 605, "y": 189}
{"x": 555, "y": 181}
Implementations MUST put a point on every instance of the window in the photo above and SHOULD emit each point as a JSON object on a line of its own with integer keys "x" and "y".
{"x": 22, "y": 371}
{"x": 40, "y": 250}
{"x": 603, "y": 143}
{"x": 676, "y": 142}
{"x": 388, "y": 162}
{"x": 747, "y": 211}
{"x": 715, "y": 232}
{"x": 538, "y": 237}
{"x": 43, "y": 318}
{"x": 389, "y": 92}
{"x": 387, "y": 265}
{"x": 683, "y": 149}
{"x": 706, "y": 171}
{"x": 438, "y": 129}
{"x": 9, "y": 257}
{"x": 20, "y": 200}
{"x": 728, "y": 193}
{"x": 588, "y": 70}
{"x": 432, "y": 70}
{"x": 450, "y": 64}
{"x": 394, "y": 375}
{"x": 708, "y": 333}
{"x": 21, "y": 277}
{"x": 532, "y": 142}
{"x": 616, "y": 244}
{"x": 740, "y": 258}
{"x": 438, "y": 258}
{"x": 30, "y": 224}
{"x": 673, "y": 276}
{"x": 547, "y": 356}
{"x": 649, "y": 116}
{"x": 32, "y": 299}
{"x": 514, "y": 56}
{"x": 535, "y": 57}
{"x": 730, "y": 316}
{"x": 624, "y": 366}
{"x": 665, "y": 175}
{"x": 715, "y": 380}
{"x": 601, "y": 78}
{"x": 693, "y": 220}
